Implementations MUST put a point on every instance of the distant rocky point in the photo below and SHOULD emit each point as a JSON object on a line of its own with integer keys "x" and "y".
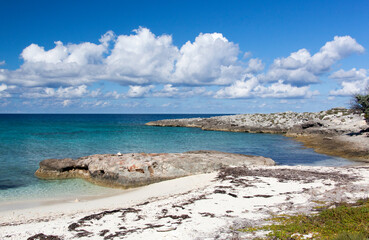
{"x": 334, "y": 121}
{"x": 137, "y": 169}
{"x": 338, "y": 131}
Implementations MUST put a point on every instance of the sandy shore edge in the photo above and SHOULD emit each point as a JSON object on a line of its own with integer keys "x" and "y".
{"x": 128, "y": 198}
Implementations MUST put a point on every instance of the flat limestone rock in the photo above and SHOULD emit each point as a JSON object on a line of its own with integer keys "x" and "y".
{"x": 137, "y": 169}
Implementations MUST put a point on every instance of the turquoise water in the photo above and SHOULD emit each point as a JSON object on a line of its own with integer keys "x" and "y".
{"x": 25, "y": 140}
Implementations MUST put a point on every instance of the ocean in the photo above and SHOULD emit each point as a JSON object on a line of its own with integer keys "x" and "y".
{"x": 27, "y": 139}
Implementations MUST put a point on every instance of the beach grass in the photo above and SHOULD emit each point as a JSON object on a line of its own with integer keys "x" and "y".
{"x": 340, "y": 221}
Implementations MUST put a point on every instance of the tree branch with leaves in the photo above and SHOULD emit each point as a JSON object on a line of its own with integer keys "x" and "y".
{"x": 360, "y": 103}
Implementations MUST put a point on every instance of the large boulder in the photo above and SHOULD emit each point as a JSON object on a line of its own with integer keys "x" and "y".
{"x": 137, "y": 169}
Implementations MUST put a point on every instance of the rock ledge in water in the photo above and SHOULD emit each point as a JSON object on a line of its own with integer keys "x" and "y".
{"x": 137, "y": 169}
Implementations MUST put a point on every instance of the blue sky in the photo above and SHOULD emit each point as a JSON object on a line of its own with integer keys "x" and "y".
{"x": 181, "y": 56}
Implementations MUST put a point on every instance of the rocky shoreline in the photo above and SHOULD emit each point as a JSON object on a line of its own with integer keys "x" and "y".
{"x": 338, "y": 132}
{"x": 138, "y": 169}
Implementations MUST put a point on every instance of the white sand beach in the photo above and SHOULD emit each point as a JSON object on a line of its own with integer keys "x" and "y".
{"x": 203, "y": 206}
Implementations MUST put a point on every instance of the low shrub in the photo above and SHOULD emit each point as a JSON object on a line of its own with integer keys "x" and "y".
{"x": 345, "y": 221}
{"x": 360, "y": 103}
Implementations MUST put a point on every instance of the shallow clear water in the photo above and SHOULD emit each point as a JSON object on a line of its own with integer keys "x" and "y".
{"x": 25, "y": 140}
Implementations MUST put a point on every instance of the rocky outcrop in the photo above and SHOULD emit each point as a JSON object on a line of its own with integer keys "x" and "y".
{"x": 137, "y": 169}
{"x": 224, "y": 123}
{"x": 338, "y": 132}
{"x": 334, "y": 121}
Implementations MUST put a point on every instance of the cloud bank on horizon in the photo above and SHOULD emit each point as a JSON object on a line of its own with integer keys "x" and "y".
{"x": 151, "y": 66}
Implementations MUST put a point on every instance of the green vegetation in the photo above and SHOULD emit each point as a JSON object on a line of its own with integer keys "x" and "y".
{"x": 361, "y": 103}
{"x": 345, "y": 221}
{"x": 350, "y": 236}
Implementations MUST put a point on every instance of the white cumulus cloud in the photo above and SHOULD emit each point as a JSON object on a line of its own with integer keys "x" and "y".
{"x": 68, "y": 92}
{"x": 255, "y": 65}
{"x": 351, "y": 88}
{"x": 281, "y": 90}
{"x": 71, "y": 64}
{"x": 351, "y": 75}
{"x": 352, "y": 82}
{"x": 141, "y": 58}
{"x": 210, "y": 59}
{"x": 239, "y": 89}
{"x": 114, "y": 94}
{"x": 139, "y": 91}
{"x": 251, "y": 88}
{"x": 300, "y": 68}
{"x": 333, "y": 51}
{"x": 66, "y": 102}
{"x": 3, "y": 87}
{"x": 35, "y": 53}
{"x": 167, "y": 91}
{"x": 3, "y": 93}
